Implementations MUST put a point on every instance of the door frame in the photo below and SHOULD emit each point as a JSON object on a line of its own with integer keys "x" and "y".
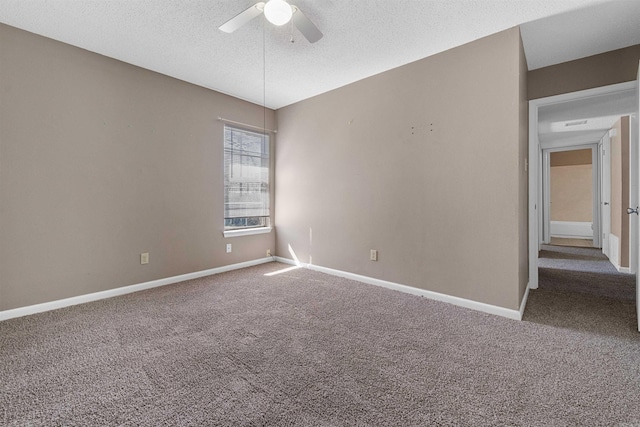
{"x": 595, "y": 188}
{"x": 535, "y": 166}
{"x": 634, "y": 140}
{"x": 605, "y": 191}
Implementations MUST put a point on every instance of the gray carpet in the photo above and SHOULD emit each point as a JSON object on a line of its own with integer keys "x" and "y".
{"x": 304, "y": 348}
{"x": 583, "y": 270}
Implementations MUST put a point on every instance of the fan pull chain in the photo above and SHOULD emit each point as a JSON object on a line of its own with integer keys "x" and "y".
{"x": 291, "y": 39}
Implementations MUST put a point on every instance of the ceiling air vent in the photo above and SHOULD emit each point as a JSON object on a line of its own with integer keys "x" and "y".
{"x": 576, "y": 123}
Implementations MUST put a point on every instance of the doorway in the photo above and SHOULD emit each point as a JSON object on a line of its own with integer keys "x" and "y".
{"x": 589, "y": 114}
{"x": 571, "y": 196}
{"x": 573, "y": 120}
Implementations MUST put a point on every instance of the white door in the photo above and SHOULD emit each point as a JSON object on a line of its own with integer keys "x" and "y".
{"x": 606, "y": 193}
{"x": 635, "y": 141}
{"x": 596, "y": 172}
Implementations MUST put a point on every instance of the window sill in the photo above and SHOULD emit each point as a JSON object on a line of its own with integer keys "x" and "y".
{"x": 247, "y": 231}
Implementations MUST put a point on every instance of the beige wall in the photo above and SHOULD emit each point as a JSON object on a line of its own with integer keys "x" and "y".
{"x": 571, "y": 186}
{"x": 571, "y": 157}
{"x": 620, "y": 187}
{"x": 571, "y": 193}
{"x": 100, "y": 161}
{"x": 607, "y": 68}
{"x": 424, "y": 163}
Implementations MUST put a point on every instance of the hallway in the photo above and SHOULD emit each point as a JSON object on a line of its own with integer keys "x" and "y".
{"x": 579, "y": 289}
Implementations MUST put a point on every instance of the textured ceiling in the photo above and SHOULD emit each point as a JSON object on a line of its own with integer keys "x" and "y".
{"x": 361, "y": 37}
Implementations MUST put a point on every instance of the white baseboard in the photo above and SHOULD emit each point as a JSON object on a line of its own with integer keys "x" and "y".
{"x": 614, "y": 250}
{"x": 614, "y": 254}
{"x": 625, "y": 270}
{"x": 571, "y": 229}
{"x": 523, "y": 303}
{"x": 81, "y": 299}
{"x": 461, "y": 302}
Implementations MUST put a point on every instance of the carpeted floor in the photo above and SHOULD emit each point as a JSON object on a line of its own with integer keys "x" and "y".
{"x": 583, "y": 270}
{"x": 304, "y": 348}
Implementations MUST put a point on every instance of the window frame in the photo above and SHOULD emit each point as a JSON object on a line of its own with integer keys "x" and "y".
{"x": 248, "y": 230}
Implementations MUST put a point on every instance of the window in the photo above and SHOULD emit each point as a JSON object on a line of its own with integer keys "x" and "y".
{"x": 246, "y": 179}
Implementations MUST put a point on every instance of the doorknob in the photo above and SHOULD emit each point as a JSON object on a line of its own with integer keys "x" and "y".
{"x": 630, "y": 211}
{"x": 605, "y": 203}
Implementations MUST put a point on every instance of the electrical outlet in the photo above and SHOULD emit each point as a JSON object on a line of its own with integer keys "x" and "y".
{"x": 228, "y": 248}
{"x": 268, "y": 252}
{"x": 144, "y": 258}
{"x": 373, "y": 255}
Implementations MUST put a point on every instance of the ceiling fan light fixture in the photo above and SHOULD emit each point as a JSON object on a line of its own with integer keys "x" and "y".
{"x": 278, "y": 12}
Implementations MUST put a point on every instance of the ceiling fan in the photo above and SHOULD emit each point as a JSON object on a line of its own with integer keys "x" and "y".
{"x": 278, "y": 12}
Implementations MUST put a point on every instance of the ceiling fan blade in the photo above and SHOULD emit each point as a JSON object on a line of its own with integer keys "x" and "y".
{"x": 306, "y": 27}
{"x": 242, "y": 18}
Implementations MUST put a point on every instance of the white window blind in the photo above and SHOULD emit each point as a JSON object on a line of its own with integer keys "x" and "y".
{"x": 246, "y": 179}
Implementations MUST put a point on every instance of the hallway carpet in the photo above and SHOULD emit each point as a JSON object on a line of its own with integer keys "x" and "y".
{"x": 302, "y": 348}
{"x": 583, "y": 270}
